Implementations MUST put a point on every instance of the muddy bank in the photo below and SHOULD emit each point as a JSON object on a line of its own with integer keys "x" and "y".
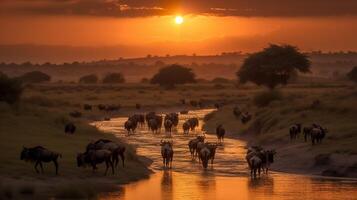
{"x": 296, "y": 156}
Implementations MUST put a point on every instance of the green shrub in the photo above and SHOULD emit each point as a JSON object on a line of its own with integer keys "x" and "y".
{"x": 265, "y": 98}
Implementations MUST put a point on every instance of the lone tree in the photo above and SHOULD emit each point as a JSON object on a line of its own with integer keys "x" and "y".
{"x": 273, "y": 65}
{"x": 352, "y": 75}
{"x": 10, "y": 89}
{"x": 112, "y": 78}
{"x": 89, "y": 79}
{"x": 35, "y": 77}
{"x": 172, "y": 75}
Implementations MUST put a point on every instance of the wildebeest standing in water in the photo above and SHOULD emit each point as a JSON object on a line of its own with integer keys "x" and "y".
{"x": 167, "y": 153}
{"x": 116, "y": 149}
{"x": 207, "y": 152}
{"x": 94, "y": 157}
{"x": 259, "y": 159}
{"x": 130, "y": 126}
{"x": 173, "y": 117}
{"x": 38, "y": 155}
{"x": 168, "y": 125}
{"x": 193, "y": 123}
{"x": 294, "y": 131}
{"x": 69, "y": 128}
{"x": 220, "y": 132}
{"x": 186, "y": 127}
{"x": 192, "y": 145}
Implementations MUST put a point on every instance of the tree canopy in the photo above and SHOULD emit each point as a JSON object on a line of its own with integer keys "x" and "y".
{"x": 172, "y": 75}
{"x": 89, "y": 79}
{"x": 352, "y": 75}
{"x": 273, "y": 65}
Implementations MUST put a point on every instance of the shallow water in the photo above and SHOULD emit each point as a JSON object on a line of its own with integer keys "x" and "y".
{"x": 227, "y": 178}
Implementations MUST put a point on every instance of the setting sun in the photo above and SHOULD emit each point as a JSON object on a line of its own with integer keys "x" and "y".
{"x": 178, "y": 19}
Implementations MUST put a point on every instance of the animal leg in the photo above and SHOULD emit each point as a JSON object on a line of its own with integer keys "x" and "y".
{"x": 36, "y": 167}
{"x": 40, "y": 163}
{"x": 56, "y": 166}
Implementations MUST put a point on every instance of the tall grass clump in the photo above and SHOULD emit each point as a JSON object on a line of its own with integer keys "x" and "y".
{"x": 265, "y": 98}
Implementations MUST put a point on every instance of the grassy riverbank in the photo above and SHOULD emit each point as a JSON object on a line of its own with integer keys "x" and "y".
{"x": 336, "y": 156}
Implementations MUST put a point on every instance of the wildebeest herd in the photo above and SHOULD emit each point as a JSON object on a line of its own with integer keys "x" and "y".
{"x": 315, "y": 132}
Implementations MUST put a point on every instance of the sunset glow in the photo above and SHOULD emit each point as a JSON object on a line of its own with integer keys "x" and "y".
{"x": 178, "y": 19}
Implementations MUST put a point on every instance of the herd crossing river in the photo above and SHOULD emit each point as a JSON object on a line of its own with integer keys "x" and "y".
{"x": 227, "y": 178}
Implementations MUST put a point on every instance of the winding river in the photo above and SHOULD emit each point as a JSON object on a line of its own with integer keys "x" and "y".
{"x": 228, "y": 178}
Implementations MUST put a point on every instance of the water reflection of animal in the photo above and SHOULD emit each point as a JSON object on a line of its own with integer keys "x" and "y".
{"x": 167, "y": 153}
{"x": 38, "y": 155}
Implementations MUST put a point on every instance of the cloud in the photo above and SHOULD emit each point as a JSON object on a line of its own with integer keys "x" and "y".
{"x": 138, "y": 8}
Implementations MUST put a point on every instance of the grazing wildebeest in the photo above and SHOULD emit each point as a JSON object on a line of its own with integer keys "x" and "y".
{"x": 186, "y": 127}
{"x": 38, "y": 155}
{"x": 168, "y": 125}
{"x": 130, "y": 125}
{"x": 69, "y": 128}
{"x": 294, "y": 131}
{"x": 173, "y": 117}
{"x": 192, "y": 145}
{"x": 220, "y": 132}
{"x": 87, "y": 107}
{"x": 167, "y": 153}
{"x": 193, "y": 123}
{"x": 246, "y": 117}
{"x": 237, "y": 112}
{"x": 75, "y": 114}
{"x": 317, "y": 134}
{"x": 94, "y": 157}
{"x": 116, "y": 149}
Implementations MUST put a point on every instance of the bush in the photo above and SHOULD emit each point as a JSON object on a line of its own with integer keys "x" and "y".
{"x": 114, "y": 78}
{"x": 220, "y": 80}
{"x": 35, "y": 77}
{"x": 172, "y": 75}
{"x": 265, "y": 98}
{"x": 10, "y": 89}
{"x": 89, "y": 79}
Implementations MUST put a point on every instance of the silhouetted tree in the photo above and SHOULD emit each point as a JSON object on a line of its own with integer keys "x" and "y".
{"x": 273, "y": 65}
{"x": 89, "y": 79}
{"x": 35, "y": 77}
{"x": 352, "y": 75}
{"x": 114, "y": 78}
{"x": 172, "y": 75}
{"x": 10, "y": 89}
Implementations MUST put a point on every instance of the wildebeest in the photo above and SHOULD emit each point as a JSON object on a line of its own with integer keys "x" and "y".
{"x": 153, "y": 125}
{"x": 220, "y": 132}
{"x": 317, "y": 134}
{"x": 192, "y": 145}
{"x": 38, "y": 155}
{"x": 138, "y": 106}
{"x": 94, "y": 157}
{"x": 112, "y": 108}
{"x": 69, "y": 128}
{"x": 294, "y": 131}
{"x": 237, "y": 112}
{"x": 167, "y": 153}
{"x": 173, "y": 117}
{"x": 116, "y": 149}
{"x": 138, "y": 118}
{"x": 101, "y": 107}
{"x": 168, "y": 125}
{"x": 87, "y": 107}
{"x": 259, "y": 159}
{"x": 207, "y": 152}
{"x": 186, "y": 127}
{"x": 193, "y": 123}
{"x": 75, "y": 114}
{"x": 183, "y": 101}
{"x": 246, "y": 117}
{"x": 130, "y": 125}
{"x": 307, "y": 132}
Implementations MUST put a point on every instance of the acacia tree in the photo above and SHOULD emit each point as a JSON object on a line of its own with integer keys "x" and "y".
{"x": 89, "y": 79}
{"x": 113, "y": 78}
{"x": 352, "y": 75}
{"x": 172, "y": 75}
{"x": 273, "y": 66}
{"x": 35, "y": 77}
